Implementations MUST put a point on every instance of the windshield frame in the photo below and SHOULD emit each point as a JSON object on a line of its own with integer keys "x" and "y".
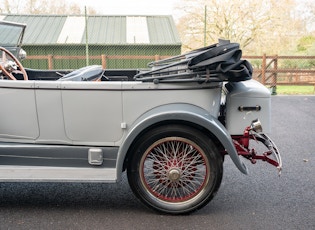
{"x": 9, "y": 29}
{"x": 16, "y": 27}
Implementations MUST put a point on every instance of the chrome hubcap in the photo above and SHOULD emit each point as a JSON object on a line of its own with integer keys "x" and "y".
{"x": 174, "y": 175}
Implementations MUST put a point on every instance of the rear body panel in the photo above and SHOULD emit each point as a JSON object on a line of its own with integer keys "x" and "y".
{"x": 245, "y": 102}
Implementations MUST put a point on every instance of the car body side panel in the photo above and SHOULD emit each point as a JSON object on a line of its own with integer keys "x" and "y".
{"x": 106, "y": 114}
{"x": 53, "y": 112}
{"x": 142, "y": 97}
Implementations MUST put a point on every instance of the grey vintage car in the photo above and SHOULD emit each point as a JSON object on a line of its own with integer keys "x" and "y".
{"x": 169, "y": 127}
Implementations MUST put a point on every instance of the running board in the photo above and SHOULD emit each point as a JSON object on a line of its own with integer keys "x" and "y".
{"x": 56, "y": 174}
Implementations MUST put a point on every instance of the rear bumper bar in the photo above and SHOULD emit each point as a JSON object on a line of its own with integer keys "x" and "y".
{"x": 271, "y": 155}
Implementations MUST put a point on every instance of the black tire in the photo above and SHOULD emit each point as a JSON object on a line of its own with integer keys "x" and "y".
{"x": 175, "y": 169}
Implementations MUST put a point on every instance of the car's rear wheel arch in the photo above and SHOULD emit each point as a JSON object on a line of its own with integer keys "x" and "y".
{"x": 165, "y": 123}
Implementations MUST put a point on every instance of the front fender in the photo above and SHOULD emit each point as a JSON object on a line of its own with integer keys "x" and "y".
{"x": 179, "y": 112}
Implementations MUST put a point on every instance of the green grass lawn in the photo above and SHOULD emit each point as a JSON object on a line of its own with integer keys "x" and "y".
{"x": 295, "y": 89}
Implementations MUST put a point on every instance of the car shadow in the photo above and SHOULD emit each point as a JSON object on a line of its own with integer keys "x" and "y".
{"x": 69, "y": 195}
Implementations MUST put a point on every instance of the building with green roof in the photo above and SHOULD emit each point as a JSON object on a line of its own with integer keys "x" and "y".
{"x": 125, "y": 41}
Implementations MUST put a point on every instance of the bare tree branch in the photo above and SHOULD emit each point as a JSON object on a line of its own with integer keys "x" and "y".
{"x": 259, "y": 26}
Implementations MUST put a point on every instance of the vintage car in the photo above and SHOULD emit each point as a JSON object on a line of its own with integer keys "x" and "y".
{"x": 169, "y": 126}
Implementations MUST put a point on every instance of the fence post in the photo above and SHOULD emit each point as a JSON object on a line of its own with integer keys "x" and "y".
{"x": 275, "y": 75}
{"x": 50, "y": 61}
{"x": 103, "y": 56}
{"x": 263, "y": 70}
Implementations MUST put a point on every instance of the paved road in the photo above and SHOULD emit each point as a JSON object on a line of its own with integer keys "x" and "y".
{"x": 261, "y": 200}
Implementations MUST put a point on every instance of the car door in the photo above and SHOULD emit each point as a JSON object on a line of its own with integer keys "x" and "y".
{"x": 92, "y": 112}
{"x": 18, "y": 115}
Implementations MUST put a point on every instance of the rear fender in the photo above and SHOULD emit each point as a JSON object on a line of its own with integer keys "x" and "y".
{"x": 179, "y": 112}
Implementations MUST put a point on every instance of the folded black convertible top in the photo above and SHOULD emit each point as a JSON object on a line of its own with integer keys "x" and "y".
{"x": 218, "y": 62}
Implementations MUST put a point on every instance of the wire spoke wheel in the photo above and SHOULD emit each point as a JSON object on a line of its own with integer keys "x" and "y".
{"x": 175, "y": 169}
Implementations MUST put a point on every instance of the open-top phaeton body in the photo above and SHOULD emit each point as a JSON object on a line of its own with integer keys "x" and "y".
{"x": 169, "y": 127}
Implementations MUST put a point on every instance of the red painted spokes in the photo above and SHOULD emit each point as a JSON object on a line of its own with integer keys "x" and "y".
{"x": 174, "y": 169}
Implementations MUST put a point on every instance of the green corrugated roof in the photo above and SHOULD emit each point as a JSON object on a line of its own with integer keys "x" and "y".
{"x": 162, "y": 30}
{"x": 55, "y": 29}
{"x": 106, "y": 30}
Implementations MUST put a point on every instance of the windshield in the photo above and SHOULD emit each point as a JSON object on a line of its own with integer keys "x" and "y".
{"x": 11, "y": 34}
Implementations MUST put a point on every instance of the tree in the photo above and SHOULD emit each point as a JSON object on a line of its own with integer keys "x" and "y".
{"x": 306, "y": 11}
{"x": 42, "y": 7}
{"x": 306, "y": 45}
{"x": 259, "y": 26}
{"x": 8, "y": 7}
{"x": 236, "y": 20}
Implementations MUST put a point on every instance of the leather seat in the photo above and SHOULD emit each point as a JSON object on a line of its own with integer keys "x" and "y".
{"x": 88, "y": 73}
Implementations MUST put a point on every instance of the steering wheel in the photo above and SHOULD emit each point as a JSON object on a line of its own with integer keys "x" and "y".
{"x": 6, "y": 52}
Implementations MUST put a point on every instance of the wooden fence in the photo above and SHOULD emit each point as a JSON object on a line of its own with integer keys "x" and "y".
{"x": 103, "y": 58}
{"x": 269, "y": 70}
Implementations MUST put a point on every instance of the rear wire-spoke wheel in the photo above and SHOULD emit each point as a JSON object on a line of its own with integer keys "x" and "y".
{"x": 175, "y": 169}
